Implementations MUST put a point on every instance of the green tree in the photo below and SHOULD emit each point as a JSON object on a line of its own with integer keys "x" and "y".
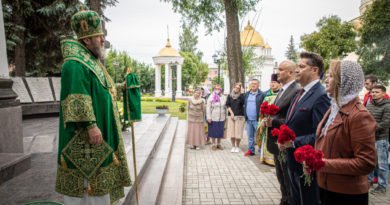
{"x": 250, "y": 60}
{"x": 144, "y": 72}
{"x": 333, "y": 40}
{"x": 188, "y": 40}
{"x": 34, "y": 30}
{"x": 194, "y": 68}
{"x": 374, "y": 45}
{"x": 221, "y": 82}
{"x": 210, "y": 13}
{"x": 292, "y": 53}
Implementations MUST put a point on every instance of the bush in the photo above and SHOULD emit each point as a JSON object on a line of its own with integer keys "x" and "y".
{"x": 182, "y": 101}
{"x": 182, "y": 107}
{"x": 156, "y": 99}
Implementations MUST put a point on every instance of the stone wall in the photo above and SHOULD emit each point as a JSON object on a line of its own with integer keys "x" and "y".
{"x": 38, "y": 95}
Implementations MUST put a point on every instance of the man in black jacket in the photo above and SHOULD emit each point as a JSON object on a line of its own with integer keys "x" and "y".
{"x": 253, "y": 100}
{"x": 286, "y": 76}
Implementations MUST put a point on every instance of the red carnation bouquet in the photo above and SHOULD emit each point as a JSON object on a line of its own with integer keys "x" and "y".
{"x": 266, "y": 110}
{"x": 284, "y": 134}
{"x": 310, "y": 159}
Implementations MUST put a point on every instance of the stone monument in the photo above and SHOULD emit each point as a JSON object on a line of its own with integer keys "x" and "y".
{"x": 12, "y": 159}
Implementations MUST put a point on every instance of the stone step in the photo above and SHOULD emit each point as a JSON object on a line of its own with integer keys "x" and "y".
{"x": 13, "y": 164}
{"x": 148, "y": 134}
{"x": 150, "y": 184}
{"x": 171, "y": 192}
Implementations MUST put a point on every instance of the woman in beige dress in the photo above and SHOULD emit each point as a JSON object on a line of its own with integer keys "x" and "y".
{"x": 195, "y": 118}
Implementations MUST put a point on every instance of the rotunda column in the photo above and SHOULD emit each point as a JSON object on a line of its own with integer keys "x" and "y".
{"x": 167, "y": 78}
{"x": 157, "y": 81}
{"x": 178, "y": 78}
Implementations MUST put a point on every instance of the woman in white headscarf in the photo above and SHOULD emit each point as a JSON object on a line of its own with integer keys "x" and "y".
{"x": 346, "y": 135}
{"x": 196, "y": 114}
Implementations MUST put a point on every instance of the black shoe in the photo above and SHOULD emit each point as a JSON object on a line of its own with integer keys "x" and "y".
{"x": 378, "y": 190}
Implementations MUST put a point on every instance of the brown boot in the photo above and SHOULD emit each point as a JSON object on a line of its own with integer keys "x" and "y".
{"x": 214, "y": 147}
{"x": 220, "y": 147}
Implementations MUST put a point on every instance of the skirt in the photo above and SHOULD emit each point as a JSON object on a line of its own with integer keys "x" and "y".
{"x": 216, "y": 129}
{"x": 195, "y": 134}
{"x": 235, "y": 128}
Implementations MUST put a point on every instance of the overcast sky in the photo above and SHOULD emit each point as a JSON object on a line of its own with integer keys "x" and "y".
{"x": 140, "y": 26}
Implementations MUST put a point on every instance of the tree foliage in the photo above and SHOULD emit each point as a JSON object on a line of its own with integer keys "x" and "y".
{"x": 34, "y": 30}
{"x": 292, "y": 53}
{"x": 250, "y": 60}
{"x": 374, "y": 45}
{"x": 211, "y": 14}
{"x": 144, "y": 72}
{"x": 221, "y": 82}
{"x": 333, "y": 40}
{"x": 194, "y": 68}
{"x": 188, "y": 40}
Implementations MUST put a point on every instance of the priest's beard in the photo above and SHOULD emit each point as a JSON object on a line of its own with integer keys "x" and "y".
{"x": 99, "y": 51}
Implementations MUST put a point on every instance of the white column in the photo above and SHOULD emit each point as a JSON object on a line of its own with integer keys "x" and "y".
{"x": 178, "y": 78}
{"x": 167, "y": 79}
{"x": 157, "y": 81}
{"x": 3, "y": 48}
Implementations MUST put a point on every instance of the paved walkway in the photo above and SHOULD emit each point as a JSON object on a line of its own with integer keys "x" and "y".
{"x": 222, "y": 177}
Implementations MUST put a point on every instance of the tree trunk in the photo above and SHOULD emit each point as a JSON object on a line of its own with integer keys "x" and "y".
{"x": 96, "y": 6}
{"x": 20, "y": 50}
{"x": 234, "y": 52}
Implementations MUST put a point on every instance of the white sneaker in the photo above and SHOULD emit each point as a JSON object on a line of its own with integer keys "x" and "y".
{"x": 233, "y": 150}
{"x": 237, "y": 150}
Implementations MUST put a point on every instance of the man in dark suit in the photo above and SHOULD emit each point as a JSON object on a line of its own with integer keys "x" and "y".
{"x": 303, "y": 116}
{"x": 286, "y": 76}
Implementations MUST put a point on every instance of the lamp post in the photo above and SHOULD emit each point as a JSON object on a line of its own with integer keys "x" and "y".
{"x": 217, "y": 61}
{"x": 187, "y": 77}
{"x": 116, "y": 65}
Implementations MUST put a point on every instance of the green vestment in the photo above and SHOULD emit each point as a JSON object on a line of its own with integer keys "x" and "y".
{"x": 88, "y": 100}
{"x": 132, "y": 99}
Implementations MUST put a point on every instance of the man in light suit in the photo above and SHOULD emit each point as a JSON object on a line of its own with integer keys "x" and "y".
{"x": 286, "y": 76}
{"x": 303, "y": 116}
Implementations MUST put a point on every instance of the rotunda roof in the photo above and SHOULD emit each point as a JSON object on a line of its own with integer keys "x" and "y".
{"x": 250, "y": 37}
{"x": 168, "y": 51}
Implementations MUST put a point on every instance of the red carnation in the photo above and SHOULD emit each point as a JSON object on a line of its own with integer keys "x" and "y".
{"x": 311, "y": 159}
{"x": 273, "y": 109}
{"x": 285, "y": 134}
{"x": 264, "y": 108}
{"x": 275, "y": 132}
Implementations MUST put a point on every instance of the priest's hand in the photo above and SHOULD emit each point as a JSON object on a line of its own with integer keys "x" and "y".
{"x": 95, "y": 136}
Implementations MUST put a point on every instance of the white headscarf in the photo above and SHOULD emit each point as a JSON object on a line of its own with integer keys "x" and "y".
{"x": 351, "y": 83}
{"x": 206, "y": 91}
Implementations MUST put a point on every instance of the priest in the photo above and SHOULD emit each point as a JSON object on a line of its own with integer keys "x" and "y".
{"x": 91, "y": 165}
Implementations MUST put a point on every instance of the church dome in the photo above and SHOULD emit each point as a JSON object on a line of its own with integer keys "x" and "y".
{"x": 168, "y": 51}
{"x": 267, "y": 46}
{"x": 250, "y": 37}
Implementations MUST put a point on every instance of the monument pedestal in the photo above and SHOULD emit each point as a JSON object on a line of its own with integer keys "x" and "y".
{"x": 12, "y": 159}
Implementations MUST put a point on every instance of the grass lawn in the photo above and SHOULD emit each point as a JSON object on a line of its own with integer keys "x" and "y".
{"x": 149, "y": 107}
